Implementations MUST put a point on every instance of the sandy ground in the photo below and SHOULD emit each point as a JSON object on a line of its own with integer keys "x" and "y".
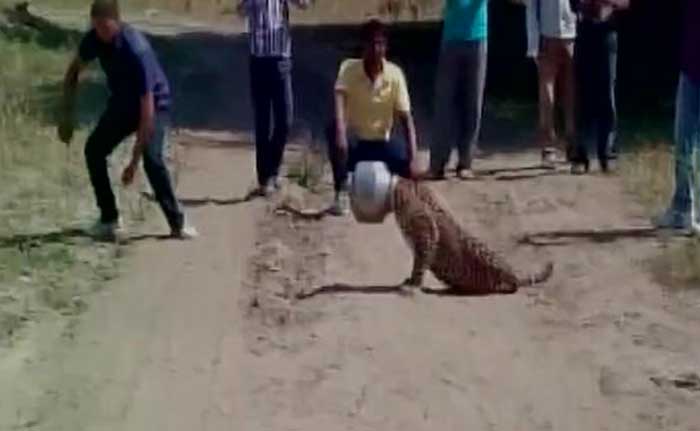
{"x": 208, "y": 335}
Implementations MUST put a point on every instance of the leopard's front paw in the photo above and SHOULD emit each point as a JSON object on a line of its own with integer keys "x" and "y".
{"x": 406, "y": 290}
{"x": 413, "y": 281}
{"x": 410, "y": 286}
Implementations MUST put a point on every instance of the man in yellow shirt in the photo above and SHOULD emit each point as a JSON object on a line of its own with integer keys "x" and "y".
{"x": 369, "y": 94}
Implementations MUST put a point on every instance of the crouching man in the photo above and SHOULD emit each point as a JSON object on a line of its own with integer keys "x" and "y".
{"x": 139, "y": 103}
{"x": 369, "y": 93}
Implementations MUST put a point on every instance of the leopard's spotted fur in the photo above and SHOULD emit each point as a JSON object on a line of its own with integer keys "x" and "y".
{"x": 442, "y": 246}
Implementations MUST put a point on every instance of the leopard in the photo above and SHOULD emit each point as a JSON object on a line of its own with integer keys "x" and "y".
{"x": 440, "y": 244}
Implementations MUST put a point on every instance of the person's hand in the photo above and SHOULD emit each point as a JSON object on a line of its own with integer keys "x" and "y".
{"x": 341, "y": 140}
{"x": 241, "y": 9}
{"x": 65, "y": 131}
{"x": 304, "y": 4}
{"x": 415, "y": 170}
{"x": 129, "y": 173}
{"x": 66, "y": 126}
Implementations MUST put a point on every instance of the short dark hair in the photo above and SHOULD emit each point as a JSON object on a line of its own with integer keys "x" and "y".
{"x": 373, "y": 28}
{"x": 105, "y": 9}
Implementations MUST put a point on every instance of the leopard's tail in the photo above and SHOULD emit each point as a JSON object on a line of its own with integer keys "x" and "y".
{"x": 539, "y": 277}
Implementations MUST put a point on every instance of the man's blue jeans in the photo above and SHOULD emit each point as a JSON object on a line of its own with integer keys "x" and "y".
{"x": 687, "y": 140}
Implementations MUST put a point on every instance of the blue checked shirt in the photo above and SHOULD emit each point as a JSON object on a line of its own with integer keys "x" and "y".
{"x": 268, "y": 26}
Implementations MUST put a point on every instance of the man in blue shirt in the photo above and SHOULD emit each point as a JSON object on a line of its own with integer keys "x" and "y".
{"x": 460, "y": 83}
{"x": 139, "y": 102}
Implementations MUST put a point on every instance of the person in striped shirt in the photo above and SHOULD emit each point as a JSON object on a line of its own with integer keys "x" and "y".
{"x": 271, "y": 82}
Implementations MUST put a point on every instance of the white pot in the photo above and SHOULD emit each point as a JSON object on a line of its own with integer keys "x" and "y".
{"x": 370, "y": 192}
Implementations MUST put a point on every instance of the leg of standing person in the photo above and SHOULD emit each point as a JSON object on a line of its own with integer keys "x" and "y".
{"x": 159, "y": 177}
{"x": 567, "y": 77}
{"x": 340, "y": 160}
{"x": 474, "y": 84}
{"x": 607, "y": 111}
{"x": 112, "y": 128}
{"x": 283, "y": 112}
{"x": 584, "y": 61}
{"x": 546, "y": 71}
{"x": 444, "y": 118}
{"x": 262, "y": 100}
{"x": 681, "y": 211}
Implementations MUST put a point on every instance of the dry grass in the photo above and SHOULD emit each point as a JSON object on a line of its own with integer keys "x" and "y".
{"x": 306, "y": 169}
{"x": 648, "y": 172}
{"x": 45, "y": 189}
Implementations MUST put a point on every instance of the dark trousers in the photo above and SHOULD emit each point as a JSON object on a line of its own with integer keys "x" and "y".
{"x": 459, "y": 96}
{"x": 114, "y": 126}
{"x": 271, "y": 87}
{"x": 596, "y": 72}
{"x": 392, "y": 152}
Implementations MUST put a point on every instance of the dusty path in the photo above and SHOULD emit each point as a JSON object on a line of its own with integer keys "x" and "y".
{"x": 156, "y": 351}
{"x": 196, "y": 338}
{"x": 596, "y": 349}
{"x": 207, "y": 335}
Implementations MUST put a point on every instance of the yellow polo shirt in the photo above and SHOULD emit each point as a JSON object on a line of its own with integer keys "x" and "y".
{"x": 370, "y": 107}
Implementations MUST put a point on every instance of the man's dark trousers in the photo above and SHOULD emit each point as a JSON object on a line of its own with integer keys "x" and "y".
{"x": 113, "y": 127}
{"x": 271, "y": 87}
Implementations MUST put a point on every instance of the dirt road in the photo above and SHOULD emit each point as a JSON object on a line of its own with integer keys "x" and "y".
{"x": 208, "y": 335}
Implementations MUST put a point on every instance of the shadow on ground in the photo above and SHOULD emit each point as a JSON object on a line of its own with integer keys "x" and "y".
{"x": 29, "y": 241}
{"x": 204, "y": 201}
{"x": 567, "y": 237}
{"x": 398, "y": 289}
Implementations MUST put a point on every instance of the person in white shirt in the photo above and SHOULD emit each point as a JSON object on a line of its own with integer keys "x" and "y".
{"x": 551, "y": 34}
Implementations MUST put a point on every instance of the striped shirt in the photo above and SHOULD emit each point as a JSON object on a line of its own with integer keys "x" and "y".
{"x": 268, "y": 27}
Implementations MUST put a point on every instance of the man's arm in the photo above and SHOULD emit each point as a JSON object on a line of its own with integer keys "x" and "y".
{"x": 301, "y": 4}
{"x": 71, "y": 78}
{"x": 341, "y": 136}
{"x": 617, "y": 4}
{"x": 143, "y": 136}
{"x": 146, "y": 126}
{"x": 532, "y": 28}
{"x": 70, "y": 88}
{"x": 402, "y": 111}
{"x": 242, "y": 8}
{"x": 409, "y": 127}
